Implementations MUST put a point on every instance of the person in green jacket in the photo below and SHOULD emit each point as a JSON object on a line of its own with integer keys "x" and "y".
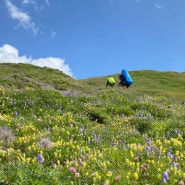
{"x": 110, "y": 81}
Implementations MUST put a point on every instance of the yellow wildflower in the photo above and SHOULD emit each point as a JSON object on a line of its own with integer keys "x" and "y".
{"x": 136, "y": 176}
{"x": 109, "y": 174}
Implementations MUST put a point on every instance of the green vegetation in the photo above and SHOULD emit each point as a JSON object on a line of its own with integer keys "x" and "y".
{"x": 22, "y": 76}
{"x": 61, "y": 131}
{"x": 171, "y": 84}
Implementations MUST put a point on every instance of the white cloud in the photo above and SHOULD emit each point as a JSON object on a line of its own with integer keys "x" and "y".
{"x": 28, "y": 2}
{"x": 23, "y": 18}
{"x": 157, "y": 6}
{"x": 44, "y": 5}
{"x": 56, "y": 63}
{"x": 47, "y": 2}
{"x": 52, "y": 34}
{"x": 9, "y": 54}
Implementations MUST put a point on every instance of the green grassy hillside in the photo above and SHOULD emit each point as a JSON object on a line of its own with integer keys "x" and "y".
{"x": 61, "y": 131}
{"x": 170, "y": 84}
{"x": 22, "y": 76}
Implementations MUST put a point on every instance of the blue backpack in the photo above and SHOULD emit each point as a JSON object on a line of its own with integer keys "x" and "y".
{"x": 127, "y": 77}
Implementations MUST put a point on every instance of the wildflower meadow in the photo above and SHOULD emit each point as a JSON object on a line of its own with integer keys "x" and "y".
{"x": 106, "y": 137}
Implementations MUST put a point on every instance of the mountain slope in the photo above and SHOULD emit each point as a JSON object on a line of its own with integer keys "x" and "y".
{"x": 147, "y": 81}
{"x": 20, "y": 76}
{"x": 105, "y": 136}
{"x": 26, "y": 76}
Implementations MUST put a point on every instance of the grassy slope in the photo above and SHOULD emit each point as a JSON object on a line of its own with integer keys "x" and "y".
{"x": 39, "y": 110}
{"x": 170, "y": 84}
{"x": 21, "y": 76}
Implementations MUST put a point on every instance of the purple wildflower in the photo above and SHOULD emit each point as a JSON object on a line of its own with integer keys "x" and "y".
{"x": 159, "y": 153}
{"x": 40, "y": 158}
{"x": 147, "y": 148}
{"x": 165, "y": 177}
{"x": 175, "y": 158}
{"x": 97, "y": 138}
{"x": 52, "y": 164}
{"x": 80, "y": 162}
{"x": 148, "y": 141}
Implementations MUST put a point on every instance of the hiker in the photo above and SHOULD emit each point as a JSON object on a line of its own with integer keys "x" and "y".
{"x": 110, "y": 81}
{"x": 125, "y": 79}
{"x": 123, "y": 82}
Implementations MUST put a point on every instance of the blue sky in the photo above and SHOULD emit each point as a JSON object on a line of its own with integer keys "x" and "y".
{"x": 91, "y": 38}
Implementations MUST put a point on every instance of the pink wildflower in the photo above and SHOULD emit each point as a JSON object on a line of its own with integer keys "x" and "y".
{"x": 181, "y": 182}
{"x": 72, "y": 170}
{"x": 136, "y": 159}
